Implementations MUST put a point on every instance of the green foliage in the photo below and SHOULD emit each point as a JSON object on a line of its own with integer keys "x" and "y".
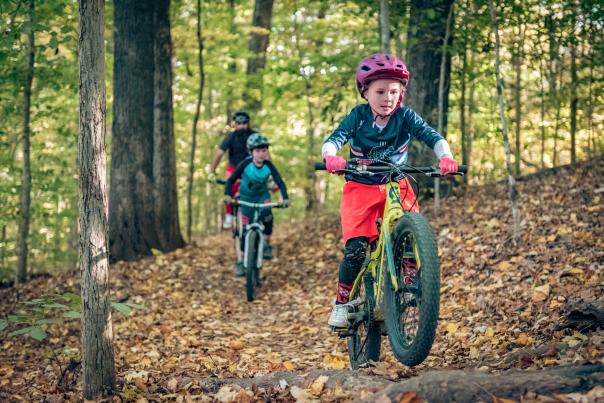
{"x": 32, "y": 315}
{"x": 309, "y": 39}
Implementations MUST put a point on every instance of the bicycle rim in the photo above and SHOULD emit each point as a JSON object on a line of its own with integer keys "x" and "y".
{"x": 412, "y": 311}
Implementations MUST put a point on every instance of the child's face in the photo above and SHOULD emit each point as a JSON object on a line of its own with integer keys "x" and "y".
{"x": 259, "y": 155}
{"x": 383, "y": 95}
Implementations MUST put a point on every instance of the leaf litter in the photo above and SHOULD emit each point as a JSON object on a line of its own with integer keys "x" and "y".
{"x": 500, "y": 304}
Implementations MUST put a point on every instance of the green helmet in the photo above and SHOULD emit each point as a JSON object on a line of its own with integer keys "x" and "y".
{"x": 256, "y": 140}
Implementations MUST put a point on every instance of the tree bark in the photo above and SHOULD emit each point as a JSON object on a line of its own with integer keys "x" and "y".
{"x": 504, "y": 132}
{"x": 195, "y": 121}
{"x": 97, "y": 334}
{"x": 310, "y": 191}
{"x": 165, "y": 197}
{"x": 444, "y": 55}
{"x": 131, "y": 209}
{"x": 465, "y": 157}
{"x": 25, "y": 195}
{"x": 258, "y": 43}
{"x": 518, "y": 60}
{"x": 475, "y": 386}
{"x": 384, "y": 26}
{"x": 424, "y": 59}
{"x": 573, "y": 100}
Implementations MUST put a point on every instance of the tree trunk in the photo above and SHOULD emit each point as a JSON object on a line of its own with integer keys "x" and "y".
{"x": 25, "y": 195}
{"x": 165, "y": 197}
{"x": 195, "y": 121}
{"x": 518, "y": 60}
{"x": 424, "y": 60}
{"x": 97, "y": 334}
{"x": 131, "y": 209}
{"x": 258, "y": 43}
{"x": 397, "y": 14}
{"x": 441, "y": 97}
{"x": 310, "y": 191}
{"x": 504, "y": 132}
{"x": 542, "y": 111}
{"x": 554, "y": 101}
{"x": 462, "y": 111}
{"x": 384, "y": 26}
{"x": 573, "y": 100}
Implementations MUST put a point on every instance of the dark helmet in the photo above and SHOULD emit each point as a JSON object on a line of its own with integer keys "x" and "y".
{"x": 256, "y": 140}
{"x": 241, "y": 117}
{"x": 380, "y": 65}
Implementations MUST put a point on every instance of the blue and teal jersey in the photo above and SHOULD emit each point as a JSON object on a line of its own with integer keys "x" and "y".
{"x": 390, "y": 143}
{"x": 254, "y": 186}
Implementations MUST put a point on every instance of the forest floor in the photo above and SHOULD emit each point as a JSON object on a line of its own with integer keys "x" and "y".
{"x": 503, "y": 306}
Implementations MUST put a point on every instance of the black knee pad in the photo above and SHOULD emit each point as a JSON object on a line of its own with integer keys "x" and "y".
{"x": 354, "y": 252}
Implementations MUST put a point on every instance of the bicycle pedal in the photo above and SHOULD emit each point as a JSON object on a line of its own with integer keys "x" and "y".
{"x": 345, "y": 333}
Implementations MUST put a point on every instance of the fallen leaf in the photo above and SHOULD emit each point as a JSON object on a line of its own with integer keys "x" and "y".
{"x": 335, "y": 362}
{"x": 540, "y": 293}
{"x": 452, "y": 327}
{"x": 318, "y": 384}
{"x": 172, "y": 385}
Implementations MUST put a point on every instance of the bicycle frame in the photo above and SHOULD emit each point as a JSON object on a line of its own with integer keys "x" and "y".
{"x": 383, "y": 253}
{"x": 255, "y": 226}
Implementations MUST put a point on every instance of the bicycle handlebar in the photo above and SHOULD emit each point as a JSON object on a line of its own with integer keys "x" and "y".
{"x": 259, "y": 205}
{"x": 364, "y": 166}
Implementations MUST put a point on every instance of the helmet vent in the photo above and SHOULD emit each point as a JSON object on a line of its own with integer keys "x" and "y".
{"x": 365, "y": 67}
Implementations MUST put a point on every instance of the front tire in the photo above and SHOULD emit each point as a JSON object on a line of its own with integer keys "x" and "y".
{"x": 411, "y": 313}
{"x": 250, "y": 265}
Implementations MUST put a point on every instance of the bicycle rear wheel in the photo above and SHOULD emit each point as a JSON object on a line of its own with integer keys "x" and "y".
{"x": 251, "y": 265}
{"x": 411, "y": 313}
{"x": 364, "y": 345}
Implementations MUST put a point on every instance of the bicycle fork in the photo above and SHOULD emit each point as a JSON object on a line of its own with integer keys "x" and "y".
{"x": 246, "y": 248}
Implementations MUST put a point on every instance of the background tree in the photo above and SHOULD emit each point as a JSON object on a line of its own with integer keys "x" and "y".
{"x": 195, "y": 121}
{"x": 131, "y": 208}
{"x": 164, "y": 194}
{"x": 424, "y": 48}
{"x": 25, "y": 195}
{"x": 504, "y": 132}
{"x": 97, "y": 334}
{"x": 261, "y": 28}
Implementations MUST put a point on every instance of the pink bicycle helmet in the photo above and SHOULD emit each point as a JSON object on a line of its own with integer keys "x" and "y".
{"x": 378, "y": 66}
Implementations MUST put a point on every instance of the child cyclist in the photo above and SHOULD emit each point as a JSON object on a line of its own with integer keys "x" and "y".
{"x": 380, "y": 129}
{"x": 255, "y": 172}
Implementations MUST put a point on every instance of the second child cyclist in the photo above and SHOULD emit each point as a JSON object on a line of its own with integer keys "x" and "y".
{"x": 255, "y": 172}
{"x": 380, "y": 129}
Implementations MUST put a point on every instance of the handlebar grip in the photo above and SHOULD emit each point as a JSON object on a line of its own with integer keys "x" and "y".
{"x": 320, "y": 166}
{"x": 462, "y": 169}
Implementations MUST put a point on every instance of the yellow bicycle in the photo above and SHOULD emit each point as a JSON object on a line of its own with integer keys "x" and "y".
{"x": 397, "y": 290}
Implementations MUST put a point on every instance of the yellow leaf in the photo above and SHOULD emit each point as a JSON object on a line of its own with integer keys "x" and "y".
{"x": 551, "y": 238}
{"x": 492, "y": 223}
{"x": 504, "y": 265}
{"x": 452, "y": 327}
{"x": 334, "y": 361}
{"x": 523, "y": 339}
{"x": 318, "y": 384}
{"x": 541, "y": 293}
{"x": 237, "y": 345}
{"x": 289, "y": 365}
{"x": 489, "y": 332}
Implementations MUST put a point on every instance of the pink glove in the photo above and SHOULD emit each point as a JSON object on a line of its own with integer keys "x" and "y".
{"x": 334, "y": 163}
{"x": 447, "y": 165}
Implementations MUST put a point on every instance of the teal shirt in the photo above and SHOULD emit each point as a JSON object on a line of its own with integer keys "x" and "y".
{"x": 254, "y": 181}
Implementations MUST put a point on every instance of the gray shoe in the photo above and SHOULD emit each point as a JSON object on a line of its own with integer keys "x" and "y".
{"x": 267, "y": 253}
{"x": 239, "y": 269}
{"x": 339, "y": 316}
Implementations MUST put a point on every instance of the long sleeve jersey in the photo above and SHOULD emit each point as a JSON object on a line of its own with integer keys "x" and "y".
{"x": 390, "y": 143}
{"x": 254, "y": 180}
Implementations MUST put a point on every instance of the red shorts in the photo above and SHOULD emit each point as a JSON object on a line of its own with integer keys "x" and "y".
{"x": 234, "y": 190}
{"x": 363, "y": 204}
